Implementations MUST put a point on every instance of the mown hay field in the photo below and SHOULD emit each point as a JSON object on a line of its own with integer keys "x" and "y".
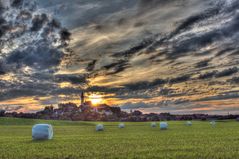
{"x": 74, "y": 140}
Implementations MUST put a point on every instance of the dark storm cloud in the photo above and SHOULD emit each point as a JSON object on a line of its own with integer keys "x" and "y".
{"x": 179, "y": 46}
{"x": 17, "y": 3}
{"x": 145, "y": 84}
{"x": 38, "y": 22}
{"x": 56, "y": 24}
{"x": 189, "y": 22}
{"x": 37, "y": 87}
{"x": 222, "y": 96}
{"x": 207, "y": 75}
{"x": 145, "y": 5}
{"x": 234, "y": 80}
{"x": 116, "y": 64}
{"x": 116, "y": 67}
{"x": 227, "y": 72}
{"x": 67, "y": 91}
{"x": 24, "y": 15}
{"x": 22, "y": 92}
{"x": 195, "y": 41}
{"x": 135, "y": 49}
{"x": 65, "y": 34}
{"x": 180, "y": 79}
{"x": 155, "y": 83}
{"x": 90, "y": 67}
{"x": 2, "y": 68}
{"x": 126, "y": 93}
{"x": 3, "y": 29}
{"x": 74, "y": 79}
{"x": 2, "y": 21}
{"x": 103, "y": 89}
{"x": 218, "y": 74}
{"x": 39, "y": 57}
{"x": 203, "y": 63}
{"x": 36, "y": 51}
{"x": 225, "y": 51}
{"x": 40, "y": 85}
{"x": 41, "y": 43}
{"x": 192, "y": 42}
{"x": 1, "y": 7}
{"x": 85, "y": 12}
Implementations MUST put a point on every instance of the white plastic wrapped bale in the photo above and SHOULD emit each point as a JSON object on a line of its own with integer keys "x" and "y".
{"x": 189, "y": 123}
{"x": 121, "y": 125}
{"x": 100, "y": 127}
{"x": 42, "y": 132}
{"x": 213, "y": 123}
{"x": 153, "y": 124}
{"x": 163, "y": 125}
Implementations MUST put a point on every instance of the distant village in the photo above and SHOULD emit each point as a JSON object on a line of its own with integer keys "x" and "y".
{"x": 103, "y": 112}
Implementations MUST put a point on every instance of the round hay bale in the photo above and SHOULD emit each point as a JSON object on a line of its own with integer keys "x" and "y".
{"x": 42, "y": 132}
{"x": 163, "y": 125}
{"x": 189, "y": 123}
{"x": 213, "y": 123}
{"x": 153, "y": 125}
{"x": 121, "y": 125}
{"x": 99, "y": 127}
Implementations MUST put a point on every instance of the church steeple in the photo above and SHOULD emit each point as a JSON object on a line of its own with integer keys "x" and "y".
{"x": 82, "y": 98}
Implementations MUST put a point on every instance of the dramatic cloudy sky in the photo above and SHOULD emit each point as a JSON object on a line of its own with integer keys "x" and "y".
{"x": 178, "y": 56}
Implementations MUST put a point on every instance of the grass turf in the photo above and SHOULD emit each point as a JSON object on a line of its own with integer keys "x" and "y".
{"x": 136, "y": 140}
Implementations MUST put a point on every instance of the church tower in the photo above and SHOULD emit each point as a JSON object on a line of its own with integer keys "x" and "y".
{"x": 82, "y": 98}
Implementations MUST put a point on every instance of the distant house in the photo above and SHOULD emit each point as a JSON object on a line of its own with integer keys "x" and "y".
{"x": 86, "y": 106}
{"x": 68, "y": 107}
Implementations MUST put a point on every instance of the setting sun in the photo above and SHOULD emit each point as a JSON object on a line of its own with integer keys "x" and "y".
{"x": 96, "y": 99}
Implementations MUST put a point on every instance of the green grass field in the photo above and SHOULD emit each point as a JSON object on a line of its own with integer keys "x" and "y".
{"x": 137, "y": 140}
